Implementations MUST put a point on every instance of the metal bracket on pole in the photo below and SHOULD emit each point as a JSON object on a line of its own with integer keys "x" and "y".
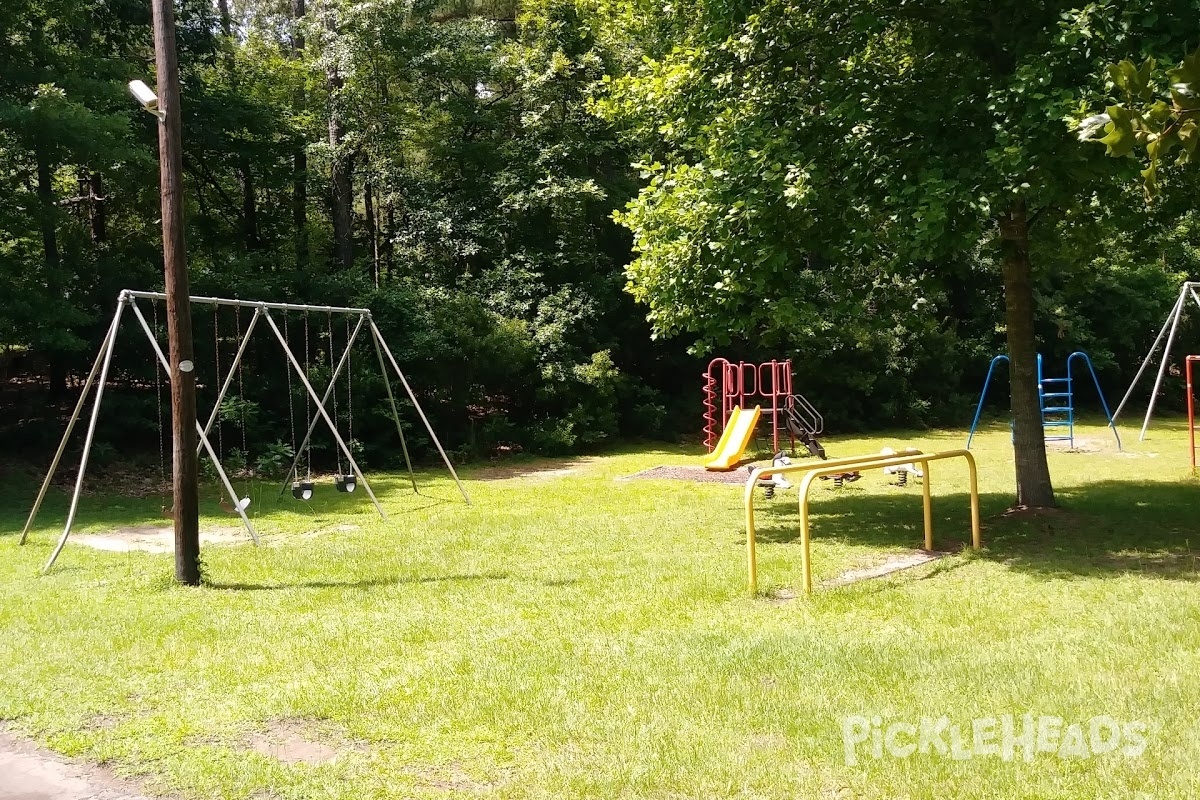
{"x": 321, "y": 410}
{"x": 382, "y": 343}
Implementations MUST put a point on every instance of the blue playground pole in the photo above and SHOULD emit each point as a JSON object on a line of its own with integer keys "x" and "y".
{"x": 1112, "y": 425}
{"x": 983, "y": 396}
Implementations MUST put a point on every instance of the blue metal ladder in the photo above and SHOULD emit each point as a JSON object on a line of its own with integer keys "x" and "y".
{"x": 1060, "y": 402}
{"x": 1061, "y": 410}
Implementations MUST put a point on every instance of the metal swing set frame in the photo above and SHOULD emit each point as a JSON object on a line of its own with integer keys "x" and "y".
{"x": 128, "y": 299}
{"x": 1189, "y": 291}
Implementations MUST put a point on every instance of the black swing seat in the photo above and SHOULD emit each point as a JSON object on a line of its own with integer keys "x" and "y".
{"x": 302, "y": 490}
{"x": 345, "y": 483}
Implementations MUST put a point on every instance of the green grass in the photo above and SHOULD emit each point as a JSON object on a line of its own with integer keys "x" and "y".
{"x": 572, "y": 635}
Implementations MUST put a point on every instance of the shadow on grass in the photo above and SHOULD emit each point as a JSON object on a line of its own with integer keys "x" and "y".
{"x": 102, "y": 511}
{"x": 363, "y": 583}
{"x": 1104, "y": 528}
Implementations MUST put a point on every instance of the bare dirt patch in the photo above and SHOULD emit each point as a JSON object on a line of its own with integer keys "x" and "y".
{"x": 156, "y": 538}
{"x": 893, "y": 563}
{"x": 29, "y": 773}
{"x": 451, "y": 778}
{"x": 101, "y": 722}
{"x": 542, "y": 470}
{"x": 293, "y": 741}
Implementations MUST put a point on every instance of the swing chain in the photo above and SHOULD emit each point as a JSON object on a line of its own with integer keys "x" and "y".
{"x": 291, "y": 405}
{"x": 336, "y": 450}
{"x": 307, "y": 397}
{"x": 218, "y": 378}
{"x": 162, "y": 464}
{"x": 241, "y": 389}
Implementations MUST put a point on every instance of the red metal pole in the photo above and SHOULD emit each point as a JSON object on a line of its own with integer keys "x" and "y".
{"x": 1191, "y": 411}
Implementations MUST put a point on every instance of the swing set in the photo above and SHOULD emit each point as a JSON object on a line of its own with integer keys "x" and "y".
{"x": 348, "y": 477}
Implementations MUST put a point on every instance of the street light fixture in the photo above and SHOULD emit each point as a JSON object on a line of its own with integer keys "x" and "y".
{"x": 146, "y": 96}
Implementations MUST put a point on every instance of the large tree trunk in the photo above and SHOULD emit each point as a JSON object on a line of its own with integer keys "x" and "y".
{"x": 1029, "y": 442}
{"x": 300, "y": 155}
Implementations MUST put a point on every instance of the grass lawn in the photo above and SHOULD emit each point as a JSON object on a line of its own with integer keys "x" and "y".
{"x": 574, "y": 635}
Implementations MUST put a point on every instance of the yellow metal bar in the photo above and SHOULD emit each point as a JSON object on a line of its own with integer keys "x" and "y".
{"x": 759, "y": 473}
{"x": 927, "y": 505}
{"x": 876, "y": 461}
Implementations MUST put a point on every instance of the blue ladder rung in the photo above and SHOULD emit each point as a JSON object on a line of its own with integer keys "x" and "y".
{"x": 1057, "y": 409}
{"x": 1049, "y": 423}
{"x": 1056, "y": 394}
{"x": 1059, "y": 439}
{"x": 1056, "y": 380}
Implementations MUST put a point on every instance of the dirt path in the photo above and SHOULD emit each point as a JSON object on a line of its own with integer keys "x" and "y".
{"x": 30, "y": 773}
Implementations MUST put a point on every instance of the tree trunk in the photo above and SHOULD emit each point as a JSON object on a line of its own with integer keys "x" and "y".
{"x": 300, "y": 155}
{"x": 249, "y": 203}
{"x": 1029, "y": 442}
{"x": 389, "y": 244}
{"x": 97, "y": 216}
{"x": 45, "y": 192}
{"x": 343, "y": 190}
{"x": 372, "y": 237}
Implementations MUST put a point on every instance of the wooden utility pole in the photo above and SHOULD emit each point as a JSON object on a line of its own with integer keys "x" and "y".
{"x": 185, "y": 485}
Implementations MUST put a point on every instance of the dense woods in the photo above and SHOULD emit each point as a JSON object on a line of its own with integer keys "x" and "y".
{"x": 558, "y": 209}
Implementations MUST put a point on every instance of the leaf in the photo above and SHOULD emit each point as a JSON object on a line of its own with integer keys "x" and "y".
{"x": 1120, "y": 138}
{"x": 1187, "y": 73}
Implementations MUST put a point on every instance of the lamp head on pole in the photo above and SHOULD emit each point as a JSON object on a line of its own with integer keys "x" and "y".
{"x": 146, "y": 96}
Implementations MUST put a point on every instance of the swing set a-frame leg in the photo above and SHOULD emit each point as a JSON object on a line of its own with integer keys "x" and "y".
{"x": 380, "y": 342}
{"x": 103, "y": 357}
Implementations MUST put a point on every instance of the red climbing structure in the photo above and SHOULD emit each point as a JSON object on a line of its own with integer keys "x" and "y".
{"x": 728, "y": 385}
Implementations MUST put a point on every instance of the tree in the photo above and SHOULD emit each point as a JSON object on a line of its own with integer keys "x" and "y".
{"x": 799, "y": 155}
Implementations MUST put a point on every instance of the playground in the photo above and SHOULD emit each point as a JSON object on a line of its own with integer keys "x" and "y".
{"x": 576, "y": 633}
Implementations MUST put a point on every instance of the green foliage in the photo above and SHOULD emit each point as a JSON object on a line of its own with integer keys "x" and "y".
{"x": 825, "y": 180}
{"x": 274, "y": 460}
{"x": 819, "y": 182}
{"x": 1142, "y": 121}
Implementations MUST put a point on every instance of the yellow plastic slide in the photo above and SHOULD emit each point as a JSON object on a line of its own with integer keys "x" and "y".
{"x": 734, "y": 439}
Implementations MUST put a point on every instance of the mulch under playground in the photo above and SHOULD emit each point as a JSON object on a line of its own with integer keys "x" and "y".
{"x": 696, "y": 474}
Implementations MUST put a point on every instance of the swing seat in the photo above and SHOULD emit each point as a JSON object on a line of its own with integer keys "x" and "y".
{"x": 302, "y": 490}
{"x": 243, "y": 504}
{"x": 345, "y": 483}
